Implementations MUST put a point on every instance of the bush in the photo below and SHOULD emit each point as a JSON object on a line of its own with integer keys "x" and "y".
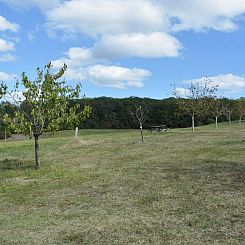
{"x": 210, "y": 121}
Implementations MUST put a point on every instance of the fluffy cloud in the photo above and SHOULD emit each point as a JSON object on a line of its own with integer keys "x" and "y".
{"x": 6, "y": 46}
{"x": 6, "y": 25}
{"x": 151, "y": 45}
{"x": 181, "y": 92}
{"x": 230, "y": 83}
{"x": 7, "y": 77}
{"x": 134, "y": 45}
{"x": 109, "y": 17}
{"x": 83, "y": 66}
{"x": 202, "y": 15}
{"x": 227, "y": 83}
{"x": 77, "y": 57}
{"x": 141, "y": 28}
{"x": 112, "y": 17}
{"x": 117, "y": 77}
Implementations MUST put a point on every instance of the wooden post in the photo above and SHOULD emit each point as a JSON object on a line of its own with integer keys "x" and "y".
{"x": 141, "y": 133}
{"x": 230, "y": 122}
{"x": 76, "y": 133}
{"x": 5, "y": 134}
{"x": 193, "y": 123}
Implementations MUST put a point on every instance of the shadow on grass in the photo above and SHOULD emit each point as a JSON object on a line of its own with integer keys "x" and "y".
{"x": 15, "y": 164}
{"x": 227, "y": 174}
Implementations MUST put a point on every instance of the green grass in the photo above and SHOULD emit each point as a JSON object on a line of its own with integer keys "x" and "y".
{"x": 178, "y": 187}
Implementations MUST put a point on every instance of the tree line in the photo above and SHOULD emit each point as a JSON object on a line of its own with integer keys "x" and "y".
{"x": 116, "y": 113}
{"x": 49, "y": 104}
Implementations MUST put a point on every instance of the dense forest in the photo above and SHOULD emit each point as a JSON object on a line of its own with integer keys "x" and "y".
{"x": 116, "y": 113}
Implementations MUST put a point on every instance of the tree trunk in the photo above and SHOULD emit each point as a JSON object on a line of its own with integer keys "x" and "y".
{"x": 230, "y": 122}
{"x": 216, "y": 122}
{"x": 141, "y": 133}
{"x": 240, "y": 121}
{"x": 37, "y": 165}
{"x": 193, "y": 123}
{"x": 5, "y": 134}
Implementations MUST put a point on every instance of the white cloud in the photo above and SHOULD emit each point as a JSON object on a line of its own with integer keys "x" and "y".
{"x": 77, "y": 57}
{"x": 76, "y": 74}
{"x": 230, "y": 83}
{"x": 227, "y": 83}
{"x": 154, "y": 45}
{"x": 181, "y": 92}
{"x": 6, "y": 46}
{"x": 7, "y": 57}
{"x": 93, "y": 17}
{"x": 15, "y": 97}
{"x": 82, "y": 67}
{"x": 117, "y": 77}
{"x": 113, "y": 17}
{"x": 6, "y": 25}
{"x": 139, "y": 28}
{"x": 7, "y": 77}
{"x": 151, "y": 45}
{"x": 202, "y": 15}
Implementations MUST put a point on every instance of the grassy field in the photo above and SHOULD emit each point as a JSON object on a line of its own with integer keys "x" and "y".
{"x": 178, "y": 187}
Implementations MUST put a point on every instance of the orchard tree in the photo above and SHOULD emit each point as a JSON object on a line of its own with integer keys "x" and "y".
{"x": 218, "y": 108}
{"x": 42, "y": 105}
{"x": 195, "y": 98}
{"x": 229, "y": 113}
{"x": 240, "y": 107}
{"x": 141, "y": 115}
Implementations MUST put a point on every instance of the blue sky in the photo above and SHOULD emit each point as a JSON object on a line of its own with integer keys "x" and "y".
{"x": 123, "y": 48}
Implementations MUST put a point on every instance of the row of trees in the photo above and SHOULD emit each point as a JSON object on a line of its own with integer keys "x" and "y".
{"x": 117, "y": 113}
{"x": 173, "y": 112}
{"x": 49, "y": 104}
{"x": 198, "y": 99}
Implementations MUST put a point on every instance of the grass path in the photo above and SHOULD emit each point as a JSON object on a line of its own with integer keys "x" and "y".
{"x": 177, "y": 188}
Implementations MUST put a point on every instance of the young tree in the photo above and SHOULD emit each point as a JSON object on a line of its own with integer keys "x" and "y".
{"x": 229, "y": 113}
{"x": 195, "y": 99}
{"x": 218, "y": 107}
{"x": 240, "y": 107}
{"x": 141, "y": 115}
{"x": 43, "y": 105}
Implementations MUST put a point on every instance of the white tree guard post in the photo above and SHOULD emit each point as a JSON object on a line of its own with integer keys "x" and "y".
{"x": 76, "y": 133}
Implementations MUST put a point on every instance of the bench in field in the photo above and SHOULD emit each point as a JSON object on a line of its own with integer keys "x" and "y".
{"x": 160, "y": 128}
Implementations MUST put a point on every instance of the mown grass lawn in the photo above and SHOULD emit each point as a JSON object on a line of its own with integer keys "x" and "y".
{"x": 178, "y": 187}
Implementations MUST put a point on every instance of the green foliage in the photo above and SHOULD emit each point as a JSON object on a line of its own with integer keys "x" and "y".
{"x": 46, "y": 103}
{"x": 44, "y": 106}
{"x": 240, "y": 107}
{"x": 198, "y": 97}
